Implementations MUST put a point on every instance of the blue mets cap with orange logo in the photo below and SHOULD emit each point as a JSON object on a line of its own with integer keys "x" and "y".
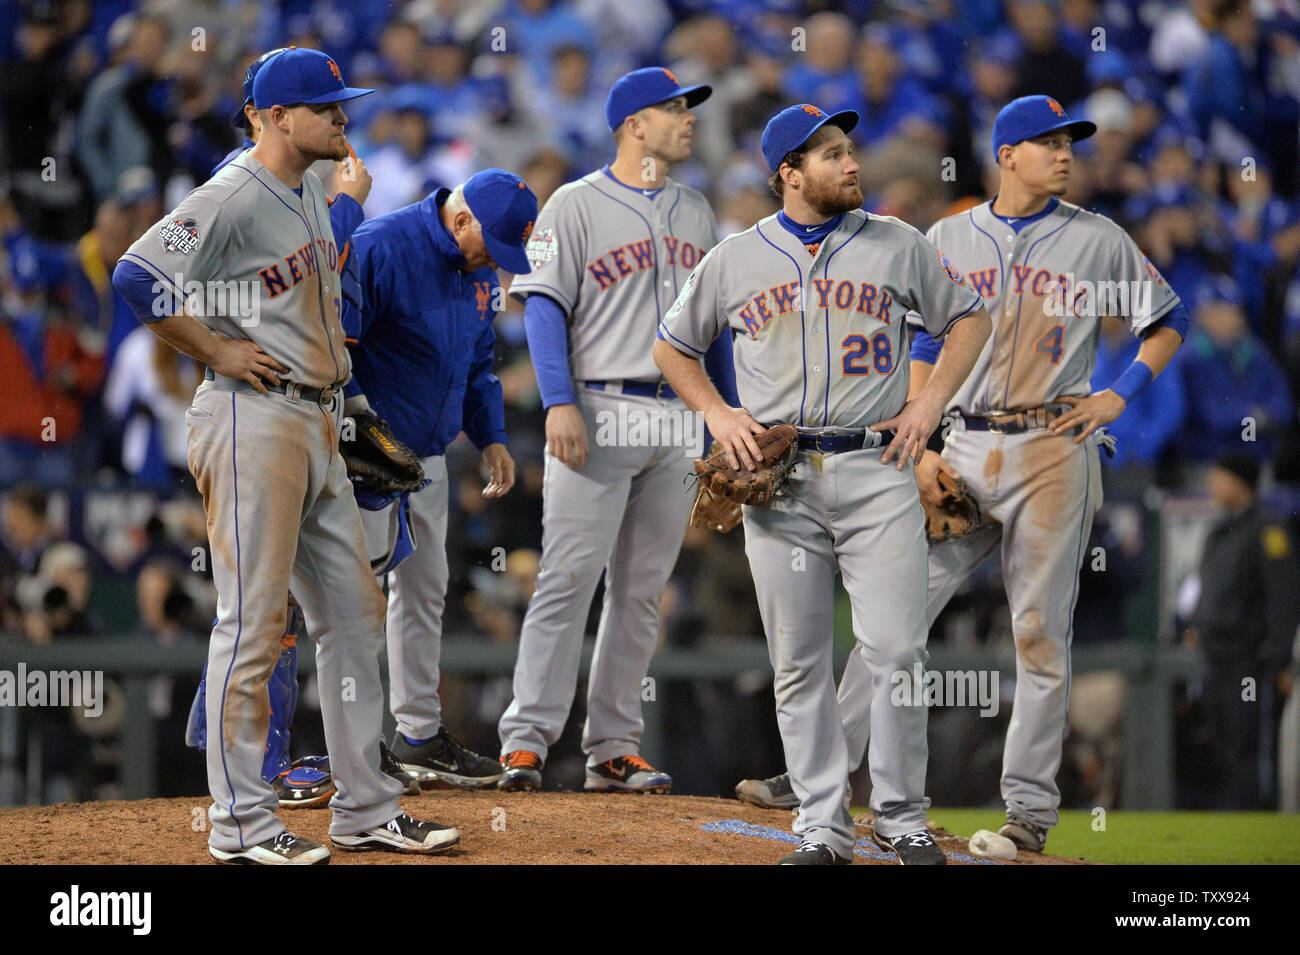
{"x": 791, "y": 128}
{"x": 646, "y": 87}
{"x": 1032, "y": 116}
{"x": 296, "y": 76}
{"x": 239, "y": 118}
{"x": 506, "y": 209}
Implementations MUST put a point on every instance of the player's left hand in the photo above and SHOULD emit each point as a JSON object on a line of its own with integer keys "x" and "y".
{"x": 501, "y": 470}
{"x": 1092, "y": 412}
{"x": 914, "y": 424}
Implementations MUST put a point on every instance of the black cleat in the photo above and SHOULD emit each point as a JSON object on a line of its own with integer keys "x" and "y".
{"x": 913, "y": 848}
{"x": 444, "y": 760}
{"x": 814, "y": 853}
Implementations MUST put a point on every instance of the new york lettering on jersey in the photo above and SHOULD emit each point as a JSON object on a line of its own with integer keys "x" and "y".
{"x": 1047, "y": 283}
{"x": 614, "y": 258}
{"x": 298, "y": 265}
{"x": 639, "y": 256}
{"x": 820, "y": 347}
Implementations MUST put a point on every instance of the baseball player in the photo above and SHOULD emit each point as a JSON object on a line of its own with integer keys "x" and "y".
{"x": 263, "y": 447}
{"x": 815, "y": 298}
{"x": 1026, "y": 429}
{"x": 304, "y": 782}
{"x": 422, "y": 349}
{"x": 608, "y": 255}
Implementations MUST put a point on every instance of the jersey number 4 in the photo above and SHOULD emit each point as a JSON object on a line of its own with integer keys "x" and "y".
{"x": 861, "y": 354}
{"x": 1050, "y": 344}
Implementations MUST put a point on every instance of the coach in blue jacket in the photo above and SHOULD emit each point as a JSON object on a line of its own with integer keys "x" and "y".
{"x": 422, "y": 352}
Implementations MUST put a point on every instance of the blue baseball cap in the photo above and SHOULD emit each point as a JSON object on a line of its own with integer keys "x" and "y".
{"x": 1032, "y": 116}
{"x": 239, "y": 118}
{"x": 506, "y": 209}
{"x": 646, "y": 87}
{"x": 301, "y": 76}
{"x": 791, "y": 128}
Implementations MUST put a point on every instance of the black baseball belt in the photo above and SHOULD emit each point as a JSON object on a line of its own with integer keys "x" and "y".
{"x": 290, "y": 389}
{"x": 836, "y": 440}
{"x": 642, "y": 389}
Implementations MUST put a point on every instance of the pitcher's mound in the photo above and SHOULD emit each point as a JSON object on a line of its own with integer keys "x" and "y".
{"x": 496, "y": 829}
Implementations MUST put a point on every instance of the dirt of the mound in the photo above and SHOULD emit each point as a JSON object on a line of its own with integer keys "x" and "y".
{"x": 497, "y": 829}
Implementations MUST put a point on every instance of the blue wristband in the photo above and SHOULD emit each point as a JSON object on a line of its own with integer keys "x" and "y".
{"x": 1136, "y": 377}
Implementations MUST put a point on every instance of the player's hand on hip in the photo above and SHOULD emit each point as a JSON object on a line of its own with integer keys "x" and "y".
{"x": 566, "y": 434}
{"x": 734, "y": 429}
{"x": 353, "y": 178}
{"x": 242, "y": 359}
{"x": 914, "y": 425}
{"x": 927, "y": 477}
{"x": 1090, "y": 413}
{"x": 501, "y": 470}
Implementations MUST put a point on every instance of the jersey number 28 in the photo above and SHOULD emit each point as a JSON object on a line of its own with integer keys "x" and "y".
{"x": 858, "y": 349}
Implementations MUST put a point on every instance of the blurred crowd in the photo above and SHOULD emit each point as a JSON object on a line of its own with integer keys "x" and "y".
{"x": 111, "y": 111}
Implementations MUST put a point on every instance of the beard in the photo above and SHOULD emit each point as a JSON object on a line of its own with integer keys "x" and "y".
{"x": 830, "y": 200}
{"x": 324, "y": 148}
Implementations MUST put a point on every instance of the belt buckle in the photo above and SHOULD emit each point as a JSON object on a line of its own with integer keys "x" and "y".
{"x": 659, "y": 390}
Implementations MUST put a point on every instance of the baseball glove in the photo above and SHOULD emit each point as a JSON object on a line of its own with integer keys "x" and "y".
{"x": 377, "y": 462}
{"x": 956, "y": 515}
{"x": 720, "y": 489}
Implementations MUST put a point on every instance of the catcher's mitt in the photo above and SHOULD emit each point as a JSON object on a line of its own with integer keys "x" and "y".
{"x": 377, "y": 462}
{"x": 721, "y": 489}
{"x": 956, "y": 515}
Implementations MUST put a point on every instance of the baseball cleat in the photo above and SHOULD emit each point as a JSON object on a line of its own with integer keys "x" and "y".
{"x": 402, "y": 834}
{"x": 284, "y": 849}
{"x": 814, "y": 853}
{"x": 772, "y": 793}
{"x": 628, "y": 774}
{"x": 521, "y": 772}
{"x": 303, "y": 787}
{"x": 1025, "y": 834}
{"x": 389, "y": 767}
{"x": 913, "y": 848}
{"x": 444, "y": 760}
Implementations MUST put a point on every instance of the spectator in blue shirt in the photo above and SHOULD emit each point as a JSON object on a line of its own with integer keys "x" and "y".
{"x": 1155, "y": 416}
{"x": 823, "y": 73}
{"x": 889, "y": 102}
{"x": 1237, "y": 396}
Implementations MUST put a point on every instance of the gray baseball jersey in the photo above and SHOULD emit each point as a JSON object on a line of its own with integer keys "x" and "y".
{"x": 1047, "y": 288}
{"x": 265, "y": 264}
{"x": 615, "y": 258}
{"x": 820, "y": 341}
{"x": 817, "y": 339}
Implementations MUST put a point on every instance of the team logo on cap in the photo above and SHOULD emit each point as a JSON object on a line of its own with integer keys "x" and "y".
{"x": 1056, "y": 107}
{"x": 542, "y": 248}
{"x": 669, "y": 73}
{"x": 952, "y": 272}
{"x": 334, "y": 68}
{"x": 813, "y": 110}
{"x": 179, "y": 236}
{"x": 528, "y": 230}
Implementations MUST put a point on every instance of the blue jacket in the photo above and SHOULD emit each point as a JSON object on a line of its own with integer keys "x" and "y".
{"x": 422, "y": 340}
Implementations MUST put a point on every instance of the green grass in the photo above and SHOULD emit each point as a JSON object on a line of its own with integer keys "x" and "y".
{"x": 1141, "y": 838}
